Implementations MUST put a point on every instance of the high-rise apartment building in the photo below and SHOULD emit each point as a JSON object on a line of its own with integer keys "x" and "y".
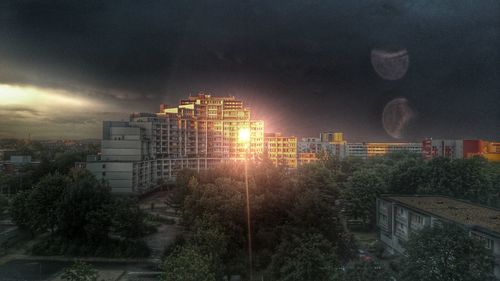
{"x": 200, "y": 133}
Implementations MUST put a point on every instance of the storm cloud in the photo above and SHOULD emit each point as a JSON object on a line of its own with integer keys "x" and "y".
{"x": 304, "y": 66}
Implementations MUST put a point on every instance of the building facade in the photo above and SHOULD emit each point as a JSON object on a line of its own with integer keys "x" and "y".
{"x": 452, "y": 149}
{"x": 328, "y": 143}
{"x": 400, "y": 216}
{"x": 370, "y": 149}
{"x": 281, "y": 150}
{"x": 487, "y": 149}
{"x": 459, "y": 149}
{"x": 200, "y": 133}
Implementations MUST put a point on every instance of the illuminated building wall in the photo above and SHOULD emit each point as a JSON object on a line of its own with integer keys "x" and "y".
{"x": 200, "y": 133}
{"x": 331, "y": 137}
{"x": 209, "y": 126}
{"x": 371, "y": 149}
{"x": 281, "y": 150}
{"x": 486, "y": 149}
{"x": 381, "y": 149}
{"x": 306, "y": 158}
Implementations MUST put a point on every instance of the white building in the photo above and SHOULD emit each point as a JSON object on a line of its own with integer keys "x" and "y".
{"x": 127, "y": 160}
{"x": 399, "y": 216}
{"x": 453, "y": 149}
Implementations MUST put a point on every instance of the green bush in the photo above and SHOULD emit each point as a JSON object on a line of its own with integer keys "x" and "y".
{"x": 179, "y": 241}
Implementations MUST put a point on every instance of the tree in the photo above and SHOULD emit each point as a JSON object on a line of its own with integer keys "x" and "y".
{"x": 316, "y": 176}
{"x": 305, "y": 258}
{"x": 408, "y": 176}
{"x": 222, "y": 199}
{"x": 128, "y": 219}
{"x": 187, "y": 263}
{"x": 365, "y": 270}
{"x": 80, "y": 271}
{"x": 177, "y": 195}
{"x": 8, "y": 184}
{"x": 184, "y": 176}
{"x": 43, "y": 202}
{"x": 314, "y": 211}
{"x": 85, "y": 209}
{"x": 65, "y": 161}
{"x": 209, "y": 237}
{"x": 19, "y": 210}
{"x": 446, "y": 253}
{"x": 4, "y": 205}
{"x": 362, "y": 190}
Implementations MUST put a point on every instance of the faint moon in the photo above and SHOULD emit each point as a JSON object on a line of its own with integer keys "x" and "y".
{"x": 396, "y": 116}
{"x": 390, "y": 65}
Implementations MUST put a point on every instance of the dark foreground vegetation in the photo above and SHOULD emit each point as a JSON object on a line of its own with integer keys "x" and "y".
{"x": 299, "y": 220}
{"x": 74, "y": 214}
{"x": 68, "y": 210}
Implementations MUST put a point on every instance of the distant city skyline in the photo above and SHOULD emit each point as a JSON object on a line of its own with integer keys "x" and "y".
{"x": 376, "y": 70}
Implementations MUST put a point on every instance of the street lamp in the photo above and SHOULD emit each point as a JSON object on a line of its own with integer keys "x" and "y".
{"x": 244, "y": 138}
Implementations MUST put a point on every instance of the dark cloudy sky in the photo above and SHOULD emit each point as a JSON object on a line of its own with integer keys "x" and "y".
{"x": 303, "y": 65}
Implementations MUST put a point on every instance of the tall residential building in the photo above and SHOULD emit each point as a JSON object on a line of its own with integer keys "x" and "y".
{"x": 281, "y": 150}
{"x": 200, "y": 133}
{"x": 400, "y": 216}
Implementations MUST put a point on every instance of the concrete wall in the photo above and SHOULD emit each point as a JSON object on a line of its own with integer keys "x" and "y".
{"x": 119, "y": 175}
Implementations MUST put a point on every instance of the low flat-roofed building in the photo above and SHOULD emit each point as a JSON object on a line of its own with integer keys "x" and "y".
{"x": 399, "y": 216}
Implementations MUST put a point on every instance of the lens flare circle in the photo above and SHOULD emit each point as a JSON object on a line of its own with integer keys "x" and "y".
{"x": 396, "y": 116}
{"x": 390, "y": 65}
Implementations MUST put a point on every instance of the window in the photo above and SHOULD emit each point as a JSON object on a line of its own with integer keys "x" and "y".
{"x": 383, "y": 219}
{"x": 488, "y": 243}
{"x": 417, "y": 219}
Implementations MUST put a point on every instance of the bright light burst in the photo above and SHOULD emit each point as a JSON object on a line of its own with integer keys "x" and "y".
{"x": 244, "y": 135}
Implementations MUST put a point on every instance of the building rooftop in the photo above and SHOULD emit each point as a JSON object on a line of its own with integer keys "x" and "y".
{"x": 454, "y": 210}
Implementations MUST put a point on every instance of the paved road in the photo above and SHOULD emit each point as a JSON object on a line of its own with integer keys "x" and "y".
{"x": 165, "y": 235}
{"x": 44, "y": 270}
